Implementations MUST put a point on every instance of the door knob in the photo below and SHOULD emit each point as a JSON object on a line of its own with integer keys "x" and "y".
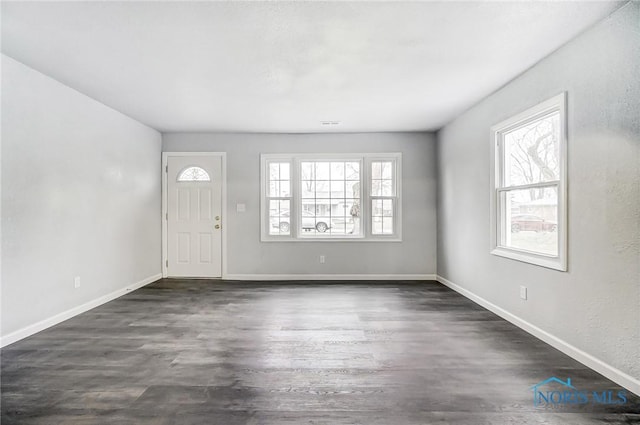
{"x": 217, "y": 226}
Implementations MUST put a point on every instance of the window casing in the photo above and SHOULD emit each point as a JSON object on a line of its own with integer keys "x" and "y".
{"x": 528, "y": 195}
{"x": 350, "y": 197}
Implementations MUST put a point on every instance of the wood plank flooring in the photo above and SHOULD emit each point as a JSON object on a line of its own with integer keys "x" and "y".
{"x": 214, "y": 352}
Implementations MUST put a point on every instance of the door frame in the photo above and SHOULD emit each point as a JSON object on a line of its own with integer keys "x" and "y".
{"x": 165, "y": 211}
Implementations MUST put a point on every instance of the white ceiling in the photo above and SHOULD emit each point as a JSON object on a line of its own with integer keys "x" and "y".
{"x": 287, "y": 66}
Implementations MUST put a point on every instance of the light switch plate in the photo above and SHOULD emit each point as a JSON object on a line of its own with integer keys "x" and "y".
{"x": 241, "y": 207}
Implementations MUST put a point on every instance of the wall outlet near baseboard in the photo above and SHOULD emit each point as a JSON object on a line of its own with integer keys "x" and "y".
{"x": 322, "y": 259}
{"x": 76, "y": 282}
{"x": 523, "y": 292}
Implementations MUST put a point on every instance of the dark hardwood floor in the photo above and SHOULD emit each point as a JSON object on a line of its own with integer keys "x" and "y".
{"x": 215, "y": 352}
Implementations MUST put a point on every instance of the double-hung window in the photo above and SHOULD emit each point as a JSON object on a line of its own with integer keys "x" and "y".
{"x": 330, "y": 196}
{"x": 278, "y": 195}
{"x": 383, "y": 196}
{"x": 528, "y": 197}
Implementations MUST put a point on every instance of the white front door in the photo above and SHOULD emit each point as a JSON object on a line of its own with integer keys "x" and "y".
{"x": 194, "y": 216}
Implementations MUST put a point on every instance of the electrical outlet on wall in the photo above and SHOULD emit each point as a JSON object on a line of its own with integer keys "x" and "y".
{"x": 523, "y": 292}
{"x": 76, "y": 282}
{"x": 322, "y": 259}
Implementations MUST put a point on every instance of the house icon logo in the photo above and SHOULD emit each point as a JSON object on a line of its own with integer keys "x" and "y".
{"x": 553, "y": 379}
{"x": 543, "y": 397}
{"x": 555, "y": 392}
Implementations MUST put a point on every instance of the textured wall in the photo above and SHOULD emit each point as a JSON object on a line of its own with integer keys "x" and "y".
{"x": 595, "y": 306}
{"x": 416, "y": 254}
{"x": 80, "y": 197}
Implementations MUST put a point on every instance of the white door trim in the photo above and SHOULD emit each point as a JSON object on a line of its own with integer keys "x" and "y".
{"x": 223, "y": 222}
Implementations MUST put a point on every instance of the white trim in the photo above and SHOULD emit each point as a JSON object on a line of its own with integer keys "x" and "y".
{"x": 66, "y": 315}
{"x": 223, "y": 222}
{"x": 546, "y": 184}
{"x": 340, "y": 239}
{"x": 298, "y": 277}
{"x": 558, "y": 104}
{"x": 616, "y": 375}
{"x": 529, "y": 257}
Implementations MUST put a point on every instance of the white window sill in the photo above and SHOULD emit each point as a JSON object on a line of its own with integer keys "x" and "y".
{"x": 330, "y": 239}
{"x": 549, "y": 262}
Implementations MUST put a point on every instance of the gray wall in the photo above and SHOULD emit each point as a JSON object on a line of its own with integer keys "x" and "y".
{"x": 80, "y": 197}
{"x": 416, "y": 254}
{"x": 595, "y": 306}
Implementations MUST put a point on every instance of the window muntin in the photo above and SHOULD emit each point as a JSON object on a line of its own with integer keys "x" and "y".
{"x": 193, "y": 174}
{"x": 528, "y": 199}
{"x": 331, "y": 197}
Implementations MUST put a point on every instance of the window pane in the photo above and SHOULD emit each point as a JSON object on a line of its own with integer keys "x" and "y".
{"x": 285, "y": 188}
{"x": 322, "y": 171}
{"x": 352, "y": 170}
{"x": 376, "y": 187}
{"x": 337, "y": 171}
{"x": 387, "y": 208}
{"x": 376, "y": 227}
{"x": 274, "y": 188}
{"x": 308, "y": 189}
{"x": 376, "y": 207}
{"x": 322, "y": 189}
{"x": 337, "y": 189}
{"x": 352, "y": 216}
{"x": 284, "y": 171}
{"x": 382, "y": 216}
{"x": 387, "y": 188}
{"x": 279, "y": 223}
{"x": 322, "y": 224}
{"x": 376, "y": 172}
{"x": 530, "y": 220}
{"x": 274, "y": 171}
{"x": 307, "y": 171}
{"x": 386, "y": 170}
{"x": 353, "y": 189}
{"x": 387, "y": 225}
{"x": 532, "y": 152}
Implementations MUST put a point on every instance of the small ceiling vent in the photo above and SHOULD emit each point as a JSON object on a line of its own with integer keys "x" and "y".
{"x": 330, "y": 123}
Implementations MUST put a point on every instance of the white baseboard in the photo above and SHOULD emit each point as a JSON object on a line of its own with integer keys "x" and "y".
{"x": 616, "y": 375}
{"x": 65, "y": 315}
{"x": 286, "y": 277}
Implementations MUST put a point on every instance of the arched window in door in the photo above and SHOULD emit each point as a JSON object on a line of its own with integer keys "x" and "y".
{"x": 193, "y": 174}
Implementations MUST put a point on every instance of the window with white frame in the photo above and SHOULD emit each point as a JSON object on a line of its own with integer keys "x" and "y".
{"x": 330, "y": 196}
{"x": 383, "y": 197}
{"x": 528, "y": 198}
{"x": 278, "y": 196}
